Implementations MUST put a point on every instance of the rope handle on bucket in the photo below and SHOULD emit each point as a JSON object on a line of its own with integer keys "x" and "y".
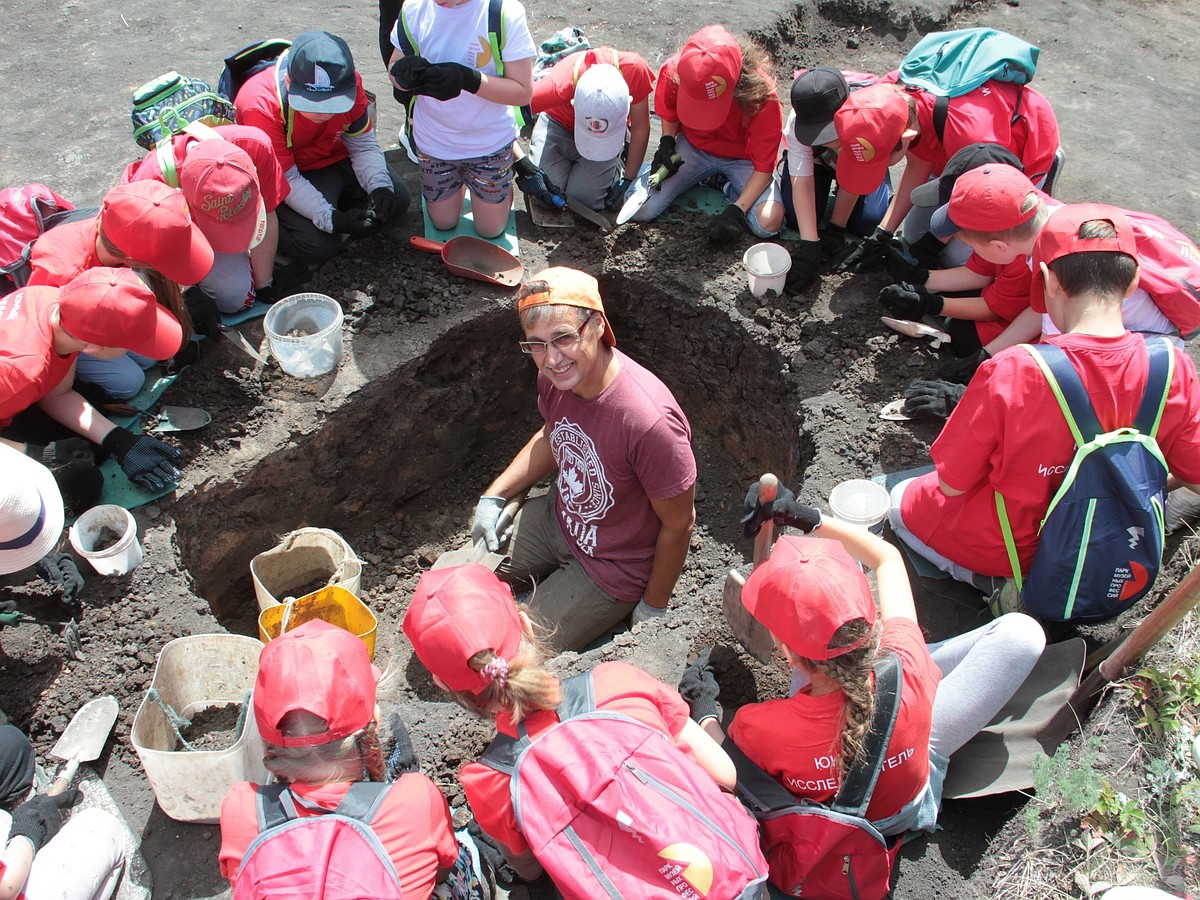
{"x": 177, "y": 721}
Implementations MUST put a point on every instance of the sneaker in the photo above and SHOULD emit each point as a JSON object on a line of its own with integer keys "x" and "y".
{"x": 1005, "y": 599}
{"x": 1181, "y": 508}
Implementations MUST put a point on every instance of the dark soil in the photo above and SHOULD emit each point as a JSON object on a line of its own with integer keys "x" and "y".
{"x": 213, "y": 728}
{"x": 105, "y": 538}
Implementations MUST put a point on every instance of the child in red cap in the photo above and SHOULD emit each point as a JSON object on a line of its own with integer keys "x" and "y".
{"x": 481, "y": 647}
{"x": 314, "y": 704}
{"x": 720, "y": 116}
{"x": 1007, "y": 434}
{"x": 813, "y": 597}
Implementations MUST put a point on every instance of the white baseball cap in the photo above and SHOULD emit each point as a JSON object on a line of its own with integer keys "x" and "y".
{"x": 31, "y": 511}
{"x": 601, "y": 112}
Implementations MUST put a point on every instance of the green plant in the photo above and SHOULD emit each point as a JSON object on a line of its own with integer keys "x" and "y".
{"x": 1066, "y": 783}
{"x": 1169, "y": 700}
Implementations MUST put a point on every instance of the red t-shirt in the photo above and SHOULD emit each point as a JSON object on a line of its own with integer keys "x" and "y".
{"x": 616, "y": 452}
{"x": 413, "y": 824}
{"x": 797, "y": 740}
{"x": 305, "y": 144}
{"x": 29, "y": 366}
{"x": 618, "y": 687}
{"x": 63, "y": 252}
{"x": 1007, "y": 434}
{"x": 554, "y": 93}
{"x": 272, "y": 184}
{"x": 740, "y": 136}
{"x": 1007, "y": 296}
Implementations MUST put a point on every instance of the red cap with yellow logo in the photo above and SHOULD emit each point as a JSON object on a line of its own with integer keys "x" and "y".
{"x": 869, "y": 126}
{"x": 709, "y": 67}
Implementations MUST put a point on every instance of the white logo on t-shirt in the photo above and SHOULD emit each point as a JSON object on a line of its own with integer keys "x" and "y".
{"x": 585, "y": 490}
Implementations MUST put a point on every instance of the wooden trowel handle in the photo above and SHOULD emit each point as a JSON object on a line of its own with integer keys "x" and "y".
{"x": 768, "y": 488}
{"x": 65, "y": 774}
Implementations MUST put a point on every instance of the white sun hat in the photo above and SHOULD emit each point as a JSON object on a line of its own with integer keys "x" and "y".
{"x": 31, "y": 511}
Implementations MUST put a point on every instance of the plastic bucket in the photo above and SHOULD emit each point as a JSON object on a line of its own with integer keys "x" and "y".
{"x": 195, "y": 673}
{"x": 860, "y": 502}
{"x": 766, "y": 268}
{"x": 305, "y": 334}
{"x": 335, "y": 605}
{"x": 120, "y": 557}
{"x": 301, "y": 558}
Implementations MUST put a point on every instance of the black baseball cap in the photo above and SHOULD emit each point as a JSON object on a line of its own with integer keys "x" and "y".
{"x": 936, "y": 192}
{"x": 816, "y": 96}
{"x": 321, "y": 74}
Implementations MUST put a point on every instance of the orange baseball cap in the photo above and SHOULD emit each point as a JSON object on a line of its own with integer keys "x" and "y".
{"x": 869, "y": 125}
{"x": 149, "y": 222}
{"x": 709, "y": 67}
{"x": 114, "y": 308}
{"x": 1060, "y": 237}
{"x": 560, "y": 286}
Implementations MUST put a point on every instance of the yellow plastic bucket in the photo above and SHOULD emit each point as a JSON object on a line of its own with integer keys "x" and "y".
{"x": 334, "y": 604}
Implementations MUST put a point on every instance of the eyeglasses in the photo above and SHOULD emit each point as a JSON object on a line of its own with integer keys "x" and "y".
{"x": 563, "y": 342}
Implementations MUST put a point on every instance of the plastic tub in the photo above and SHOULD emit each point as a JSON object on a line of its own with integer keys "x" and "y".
{"x": 194, "y": 673}
{"x": 300, "y": 558}
{"x": 766, "y": 267}
{"x": 305, "y": 334}
{"x": 860, "y": 502}
{"x": 335, "y": 605}
{"x": 118, "y": 558}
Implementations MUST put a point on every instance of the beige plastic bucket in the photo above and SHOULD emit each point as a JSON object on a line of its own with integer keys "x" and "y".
{"x": 194, "y": 673}
{"x": 766, "y": 268}
{"x": 302, "y": 557}
{"x": 121, "y": 557}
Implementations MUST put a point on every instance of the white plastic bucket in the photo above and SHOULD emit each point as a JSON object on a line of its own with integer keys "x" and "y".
{"x": 117, "y": 559}
{"x": 860, "y": 502}
{"x": 299, "y": 559}
{"x": 305, "y": 334}
{"x": 766, "y": 267}
{"x": 194, "y": 673}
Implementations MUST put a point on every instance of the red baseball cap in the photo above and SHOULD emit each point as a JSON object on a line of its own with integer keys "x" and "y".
{"x": 149, "y": 222}
{"x": 115, "y": 308}
{"x": 1060, "y": 237}
{"x": 220, "y": 184}
{"x": 993, "y": 197}
{"x": 709, "y": 67}
{"x": 805, "y": 592}
{"x": 320, "y": 669}
{"x": 456, "y": 613}
{"x": 869, "y": 125}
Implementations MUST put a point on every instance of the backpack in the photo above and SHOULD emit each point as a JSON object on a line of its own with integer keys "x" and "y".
{"x": 952, "y": 63}
{"x": 164, "y": 107}
{"x": 25, "y": 214}
{"x": 165, "y": 151}
{"x": 829, "y": 850}
{"x": 1170, "y": 270}
{"x": 611, "y": 808}
{"x": 248, "y": 61}
{"x": 1101, "y": 541}
{"x": 343, "y": 858}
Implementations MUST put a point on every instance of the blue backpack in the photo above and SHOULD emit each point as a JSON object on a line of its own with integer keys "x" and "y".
{"x": 952, "y": 63}
{"x": 1100, "y": 544}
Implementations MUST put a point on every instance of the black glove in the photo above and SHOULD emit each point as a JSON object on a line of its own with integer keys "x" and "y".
{"x": 401, "y": 758}
{"x": 615, "y": 197}
{"x": 206, "y": 318}
{"x": 726, "y": 227}
{"x": 62, "y": 452}
{"x": 445, "y": 81}
{"x": 926, "y": 251}
{"x": 267, "y": 294}
{"x": 806, "y": 260}
{"x": 408, "y": 71}
{"x": 40, "y": 818}
{"x": 491, "y": 855}
{"x": 833, "y": 240}
{"x": 383, "y": 205}
{"x": 960, "y": 370}
{"x": 534, "y": 182}
{"x": 665, "y": 156}
{"x": 867, "y": 254}
{"x": 901, "y": 269}
{"x": 289, "y": 276}
{"x": 145, "y": 460}
{"x": 785, "y": 510}
{"x": 62, "y": 574}
{"x": 699, "y": 688}
{"x": 910, "y": 301}
{"x": 932, "y": 398}
{"x": 355, "y": 222}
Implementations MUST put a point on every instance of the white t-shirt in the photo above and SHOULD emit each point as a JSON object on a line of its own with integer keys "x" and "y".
{"x": 800, "y": 156}
{"x": 467, "y": 126}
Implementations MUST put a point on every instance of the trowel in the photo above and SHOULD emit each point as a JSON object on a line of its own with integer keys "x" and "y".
{"x": 641, "y": 191}
{"x": 84, "y": 739}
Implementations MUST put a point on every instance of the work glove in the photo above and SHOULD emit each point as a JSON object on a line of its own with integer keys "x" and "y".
{"x": 536, "y": 184}
{"x": 833, "y": 240}
{"x": 932, "y": 398}
{"x": 926, "y": 251}
{"x": 408, "y": 71}
{"x": 644, "y": 611}
{"x": 806, "y": 260}
{"x": 383, "y": 205}
{"x": 665, "y": 156}
{"x": 40, "y": 818}
{"x": 900, "y": 269}
{"x": 355, "y": 222}
{"x": 267, "y": 294}
{"x": 615, "y": 197}
{"x": 145, "y": 460}
{"x": 962, "y": 369}
{"x": 445, "y": 81}
{"x": 483, "y": 528}
{"x": 785, "y": 510}
{"x": 202, "y": 309}
{"x": 909, "y": 301}
{"x": 727, "y": 226}
{"x": 62, "y": 574}
{"x": 62, "y": 452}
{"x": 871, "y": 253}
{"x": 288, "y": 276}
{"x": 491, "y": 855}
{"x": 699, "y": 688}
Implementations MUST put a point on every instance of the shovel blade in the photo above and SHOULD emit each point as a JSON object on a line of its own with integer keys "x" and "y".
{"x": 750, "y": 632}
{"x": 181, "y": 418}
{"x": 88, "y": 731}
{"x": 636, "y": 200}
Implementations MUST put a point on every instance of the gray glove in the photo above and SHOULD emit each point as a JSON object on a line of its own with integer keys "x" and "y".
{"x": 644, "y": 611}
{"x": 483, "y": 528}
{"x": 699, "y": 688}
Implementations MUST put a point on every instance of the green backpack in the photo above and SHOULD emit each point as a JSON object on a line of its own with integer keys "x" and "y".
{"x": 165, "y": 106}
